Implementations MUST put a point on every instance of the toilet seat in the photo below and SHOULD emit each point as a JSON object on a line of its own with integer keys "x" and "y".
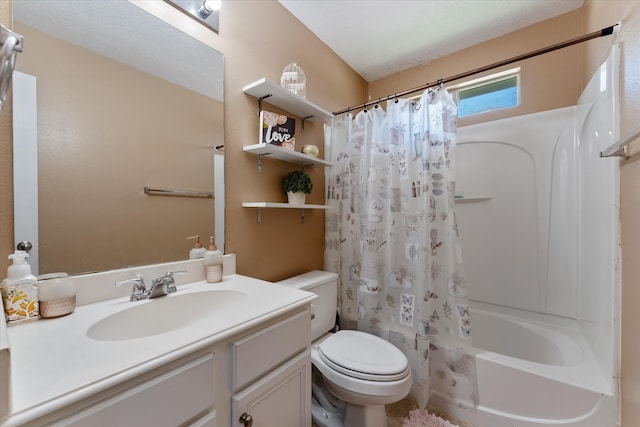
{"x": 347, "y": 386}
{"x": 363, "y": 356}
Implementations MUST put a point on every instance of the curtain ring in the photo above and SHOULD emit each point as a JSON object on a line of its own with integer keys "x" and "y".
{"x": 396, "y": 101}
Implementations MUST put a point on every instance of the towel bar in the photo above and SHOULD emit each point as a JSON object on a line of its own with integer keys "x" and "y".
{"x": 618, "y": 148}
{"x": 178, "y": 193}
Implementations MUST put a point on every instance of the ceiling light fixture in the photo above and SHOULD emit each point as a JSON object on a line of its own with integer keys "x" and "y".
{"x": 208, "y": 7}
{"x": 207, "y": 12}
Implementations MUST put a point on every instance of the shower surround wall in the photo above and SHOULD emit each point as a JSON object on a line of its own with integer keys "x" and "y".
{"x": 538, "y": 219}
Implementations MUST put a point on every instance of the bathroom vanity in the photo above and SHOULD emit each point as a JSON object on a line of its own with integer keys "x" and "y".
{"x": 227, "y": 354}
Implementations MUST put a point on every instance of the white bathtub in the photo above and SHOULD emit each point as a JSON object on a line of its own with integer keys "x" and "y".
{"x": 533, "y": 370}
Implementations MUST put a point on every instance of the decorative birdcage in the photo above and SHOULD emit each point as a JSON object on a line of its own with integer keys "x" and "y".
{"x": 294, "y": 80}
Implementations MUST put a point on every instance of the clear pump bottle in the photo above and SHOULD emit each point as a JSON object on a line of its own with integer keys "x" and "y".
{"x": 197, "y": 251}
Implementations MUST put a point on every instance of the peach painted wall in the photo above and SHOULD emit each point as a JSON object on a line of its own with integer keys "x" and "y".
{"x": 599, "y": 13}
{"x": 549, "y": 81}
{"x": 259, "y": 38}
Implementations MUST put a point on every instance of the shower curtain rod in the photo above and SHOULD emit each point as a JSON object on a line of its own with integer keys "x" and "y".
{"x": 603, "y": 32}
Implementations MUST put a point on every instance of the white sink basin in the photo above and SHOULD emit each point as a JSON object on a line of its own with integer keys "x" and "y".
{"x": 164, "y": 314}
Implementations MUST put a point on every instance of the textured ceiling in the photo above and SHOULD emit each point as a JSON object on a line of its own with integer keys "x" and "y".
{"x": 378, "y": 38}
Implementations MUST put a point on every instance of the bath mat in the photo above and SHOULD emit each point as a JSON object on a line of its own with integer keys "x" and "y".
{"x": 421, "y": 418}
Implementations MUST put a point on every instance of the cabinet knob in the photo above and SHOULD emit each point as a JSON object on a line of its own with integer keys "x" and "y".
{"x": 246, "y": 420}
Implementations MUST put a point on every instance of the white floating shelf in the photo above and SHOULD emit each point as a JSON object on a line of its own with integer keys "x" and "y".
{"x": 281, "y": 205}
{"x": 266, "y": 205}
{"x": 275, "y": 94}
{"x": 471, "y": 199}
{"x": 286, "y": 155}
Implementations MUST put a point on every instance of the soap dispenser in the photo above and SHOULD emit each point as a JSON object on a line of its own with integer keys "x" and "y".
{"x": 20, "y": 290}
{"x": 213, "y": 263}
{"x": 197, "y": 251}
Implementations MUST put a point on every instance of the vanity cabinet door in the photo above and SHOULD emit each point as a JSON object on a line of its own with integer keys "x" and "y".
{"x": 282, "y": 398}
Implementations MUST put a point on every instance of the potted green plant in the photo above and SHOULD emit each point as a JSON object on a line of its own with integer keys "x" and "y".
{"x": 297, "y": 185}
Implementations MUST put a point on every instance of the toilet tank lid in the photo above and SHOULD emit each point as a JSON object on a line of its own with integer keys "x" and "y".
{"x": 310, "y": 279}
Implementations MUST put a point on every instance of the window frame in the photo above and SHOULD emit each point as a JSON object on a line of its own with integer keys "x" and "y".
{"x": 479, "y": 82}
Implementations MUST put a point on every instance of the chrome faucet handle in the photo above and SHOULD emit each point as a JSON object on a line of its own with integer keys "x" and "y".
{"x": 138, "y": 289}
{"x": 171, "y": 273}
{"x": 169, "y": 280}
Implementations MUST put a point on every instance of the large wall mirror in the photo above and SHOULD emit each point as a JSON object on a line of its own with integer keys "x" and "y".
{"x": 123, "y": 101}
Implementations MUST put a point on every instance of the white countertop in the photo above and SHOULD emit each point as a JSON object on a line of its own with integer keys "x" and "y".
{"x": 54, "y": 362}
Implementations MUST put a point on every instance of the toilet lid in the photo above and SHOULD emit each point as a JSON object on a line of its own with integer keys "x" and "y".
{"x": 364, "y": 356}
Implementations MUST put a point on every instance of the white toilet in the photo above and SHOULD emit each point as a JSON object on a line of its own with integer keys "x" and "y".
{"x": 361, "y": 370}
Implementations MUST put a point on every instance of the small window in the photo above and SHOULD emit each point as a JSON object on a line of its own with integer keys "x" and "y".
{"x": 500, "y": 90}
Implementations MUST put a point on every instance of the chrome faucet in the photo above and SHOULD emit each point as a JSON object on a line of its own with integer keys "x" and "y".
{"x": 164, "y": 285}
{"x": 159, "y": 287}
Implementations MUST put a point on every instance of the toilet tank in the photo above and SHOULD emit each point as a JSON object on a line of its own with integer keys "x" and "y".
{"x": 325, "y": 285}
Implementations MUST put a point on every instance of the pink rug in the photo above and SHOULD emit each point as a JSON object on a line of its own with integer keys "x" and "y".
{"x": 421, "y": 418}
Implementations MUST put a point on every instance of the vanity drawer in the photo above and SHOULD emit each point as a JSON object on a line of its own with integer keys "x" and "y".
{"x": 170, "y": 399}
{"x": 268, "y": 348}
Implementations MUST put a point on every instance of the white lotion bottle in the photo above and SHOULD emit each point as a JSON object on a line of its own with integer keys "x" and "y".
{"x": 197, "y": 251}
{"x": 213, "y": 263}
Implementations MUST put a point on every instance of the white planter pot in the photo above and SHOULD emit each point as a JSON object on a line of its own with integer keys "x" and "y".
{"x": 296, "y": 198}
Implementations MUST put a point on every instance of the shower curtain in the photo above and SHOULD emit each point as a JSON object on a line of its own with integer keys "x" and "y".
{"x": 391, "y": 235}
